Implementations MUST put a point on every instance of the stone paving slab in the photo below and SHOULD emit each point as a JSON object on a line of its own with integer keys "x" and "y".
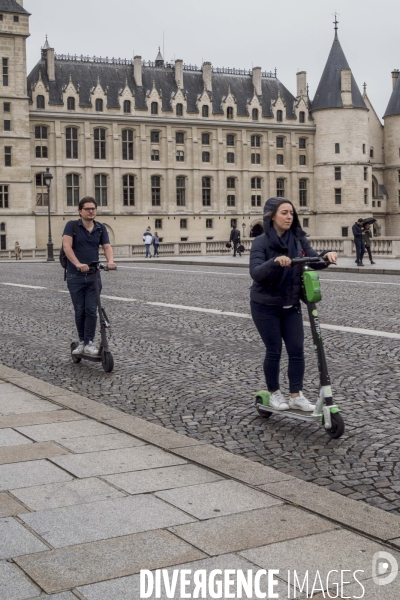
{"x": 16, "y": 454}
{"x": 27, "y": 474}
{"x": 24, "y": 402}
{"x": 88, "y": 407}
{"x": 109, "y": 462}
{"x": 140, "y": 482}
{"x": 16, "y": 540}
{"x": 232, "y": 465}
{"x": 64, "y": 569}
{"x": 61, "y": 431}
{"x": 32, "y": 384}
{"x": 208, "y": 500}
{"x": 54, "y": 416}
{"x": 367, "y": 519}
{"x": 14, "y": 585}
{"x": 55, "y": 495}
{"x": 8, "y": 437}
{"x": 83, "y": 523}
{"x": 159, "y": 436}
{"x": 10, "y": 507}
{"x": 221, "y": 535}
{"x": 96, "y": 443}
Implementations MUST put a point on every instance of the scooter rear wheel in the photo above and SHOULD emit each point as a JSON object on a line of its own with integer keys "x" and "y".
{"x": 337, "y": 429}
{"x": 265, "y": 414}
{"x": 75, "y": 357}
{"x": 107, "y": 361}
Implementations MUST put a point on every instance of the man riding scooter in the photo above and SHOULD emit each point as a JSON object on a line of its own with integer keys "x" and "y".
{"x": 81, "y": 241}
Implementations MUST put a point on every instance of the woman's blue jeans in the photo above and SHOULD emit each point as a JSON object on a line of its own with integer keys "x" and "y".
{"x": 148, "y": 253}
{"x": 274, "y": 324}
{"x": 83, "y": 295}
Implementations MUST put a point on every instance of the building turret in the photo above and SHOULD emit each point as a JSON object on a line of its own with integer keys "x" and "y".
{"x": 159, "y": 59}
{"x": 392, "y": 156}
{"x": 341, "y": 184}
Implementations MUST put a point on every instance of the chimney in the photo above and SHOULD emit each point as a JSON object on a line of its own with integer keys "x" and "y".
{"x": 257, "y": 80}
{"x": 207, "y": 77}
{"x": 179, "y": 73}
{"x": 20, "y": 2}
{"x": 395, "y": 75}
{"x": 50, "y": 65}
{"x": 345, "y": 78}
{"x": 137, "y": 70}
{"x": 301, "y": 77}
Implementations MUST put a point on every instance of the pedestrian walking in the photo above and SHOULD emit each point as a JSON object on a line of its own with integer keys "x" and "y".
{"x": 367, "y": 236}
{"x": 17, "y": 251}
{"x": 358, "y": 241}
{"x": 156, "y": 243}
{"x": 147, "y": 239}
{"x": 235, "y": 239}
{"x": 275, "y": 298}
{"x": 81, "y": 246}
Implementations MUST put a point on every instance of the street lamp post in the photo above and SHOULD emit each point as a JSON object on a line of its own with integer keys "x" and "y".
{"x": 47, "y": 179}
{"x": 244, "y": 228}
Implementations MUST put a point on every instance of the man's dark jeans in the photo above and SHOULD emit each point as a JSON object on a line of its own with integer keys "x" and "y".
{"x": 360, "y": 250}
{"x": 83, "y": 295}
{"x": 235, "y": 245}
{"x": 275, "y": 323}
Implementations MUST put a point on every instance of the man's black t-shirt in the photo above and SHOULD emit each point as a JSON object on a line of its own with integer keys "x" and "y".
{"x": 86, "y": 244}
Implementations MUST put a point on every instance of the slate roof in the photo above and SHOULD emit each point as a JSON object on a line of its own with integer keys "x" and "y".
{"x": 393, "y": 108}
{"x": 328, "y": 92}
{"x": 12, "y": 6}
{"x": 114, "y": 76}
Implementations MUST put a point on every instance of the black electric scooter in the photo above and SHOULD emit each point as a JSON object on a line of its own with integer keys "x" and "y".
{"x": 326, "y": 412}
{"x": 104, "y": 355}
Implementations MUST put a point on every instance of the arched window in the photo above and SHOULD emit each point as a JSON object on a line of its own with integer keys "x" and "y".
{"x": 256, "y": 183}
{"x": 100, "y": 143}
{"x": 71, "y": 103}
{"x": 41, "y": 142}
{"x": 204, "y": 111}
{"x": 71, "y": 142}
{"x": 128, "y": 188}
{"x": 255, "y": 141}
{"x": 156, "y": 190}
{"x": 179, "y": 110}
{"x": 302, "y": 116}
{"x": 40, "y": 101}
{"x": 154, "y": 108}
{"x": 303, "y": 192}
{"x": 2, "y": 226}
{"x": 229, "y": 112}
{"x": 279, "y": 116}
{"x": 206, "y": 190}
{"x": 100, "y": 189}
{"x": 99, "y": 105}
{"x": 127, "y": 106}
{"x": 72, "y": 182}
{"x": 3, "y": 237}
{"x": 254, "y": 114}
{"x": 127, "y": 144}
{"x": 180, "y": 191}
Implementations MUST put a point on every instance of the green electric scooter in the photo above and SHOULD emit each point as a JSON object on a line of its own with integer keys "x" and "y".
{"x": 326, "y": 412}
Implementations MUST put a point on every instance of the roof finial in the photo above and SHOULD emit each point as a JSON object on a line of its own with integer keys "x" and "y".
{"x": 336, "y": 23}
{"x": 307, "y": 88}
{"x": 365, "y": 88}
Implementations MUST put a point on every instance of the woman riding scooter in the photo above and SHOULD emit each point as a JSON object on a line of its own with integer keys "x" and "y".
{"x": 275, "y": 298}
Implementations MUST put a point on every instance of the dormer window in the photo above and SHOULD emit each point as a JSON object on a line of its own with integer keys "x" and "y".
{"x": 40, "y": 101}
{"x": 99, "y": 105}
{"x": 279, "y": 116}
{"x": 179, "y": 110}
{"x": 254, "y": 114}
{"x": 71, "y": 103}
{"x": 229, "y": 112}
{"x": 127, "y": 106}
{"x": 154, "y": 108}
{"x": 204, "y": 111}
{"x": 302, "y": 116}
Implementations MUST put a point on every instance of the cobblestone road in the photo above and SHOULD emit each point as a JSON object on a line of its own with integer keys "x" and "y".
{"x": 195, "y": 372}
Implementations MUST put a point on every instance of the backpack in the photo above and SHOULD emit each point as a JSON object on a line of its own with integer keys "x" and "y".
{"x": 63, "y": 258}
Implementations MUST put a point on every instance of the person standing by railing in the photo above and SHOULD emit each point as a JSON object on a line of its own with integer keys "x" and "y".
{"x": 358, "y": 241}
{"x": 366, "y": 236}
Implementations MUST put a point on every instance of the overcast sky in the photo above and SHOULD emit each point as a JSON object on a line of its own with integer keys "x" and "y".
{"x": 290, "y": 35}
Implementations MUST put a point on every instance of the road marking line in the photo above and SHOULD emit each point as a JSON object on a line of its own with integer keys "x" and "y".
{"x": 216, "y": 311}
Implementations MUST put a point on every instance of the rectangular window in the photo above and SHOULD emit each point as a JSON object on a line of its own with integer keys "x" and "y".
{"x": 231, "y": 183}
{"x": 180, "y": 191}
{"x": 40, "y": 133}
{"x": 365, "y": 195}
{"x": 183, "y": 223}
{"x": 3, "y": 241}
{"x": 303, "y": 192}
{"x": 255, "y": 141}
{"x": 398, "y": 176}
{"x": 7, "y": 125}
{"x": 209, "y": 223}
{"x": 100, "y": 189}
{"x": 128, "y": 190}
{"x": 256, "y": 200}
{"x": 302, "y": 160}
{"x": 366, "y": 174}
{"x": 16, "y": 19}
{"x": 72, "y": 190}
{"x": 156, "y": 190}
{"x": 205, "y": 157}
{"x": 230, "y": 140}
{"x": 337, "y": 148}
{"x": 230, "y": 201}
{"x": 338, "y": 195}
{"x": 155, "y": 137}
{"x": 279, "y": 142}
{"x": 4, "y": 196}
{"x": 41, "y": 152}
{"x": 71, "y": 141}
{"x": 345, "y": 232}
{"x": 379, "y": 203}
{"x": 158, "y": 223}
{"x": 5, "y": 71}
{"x": 155, "y": 155}
{"x": 363, "y": 146}
{"x": 302, "y": 143}
{"x": 179, "y": 137}
{"x": 206, "y": 191}
{"x": 306, "y": 222}
{"x": 373, "y": 203}
{"x": 230, "y": 157}
{"x": 255, "y": 158}
{"x": 127, "y": 144}
{"x": 100, "y": 144}
{"x": 280, "y": 188}
{"x": 180, "y": 156}
{"x": 205, "y": 139}
{"x": 7, "y": 156}
{"x": 279, "y": 159}
{"x": 338, "y": 173}
{"x": 7, "y": 107}
{"x": 398, "y": 196}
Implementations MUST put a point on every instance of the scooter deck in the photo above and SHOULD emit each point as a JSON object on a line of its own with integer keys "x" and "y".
{"x": 295, "y": 414}
{"x": 95, "y": 358}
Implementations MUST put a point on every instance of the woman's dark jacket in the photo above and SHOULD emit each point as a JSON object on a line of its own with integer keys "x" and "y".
{"x": 267, "y": 274}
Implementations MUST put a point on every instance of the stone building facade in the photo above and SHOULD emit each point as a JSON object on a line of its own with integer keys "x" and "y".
{"x": 186, "y": 150}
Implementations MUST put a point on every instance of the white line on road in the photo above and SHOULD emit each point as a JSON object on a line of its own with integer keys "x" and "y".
{"x": 216, "y": 311}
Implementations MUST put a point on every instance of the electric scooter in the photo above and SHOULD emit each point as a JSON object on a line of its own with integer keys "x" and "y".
{"x": 326, "y": 412}
{"x": 104, "y": 355}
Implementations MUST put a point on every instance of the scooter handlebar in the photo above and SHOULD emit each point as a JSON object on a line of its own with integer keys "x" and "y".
{"x": 308, "y": 259}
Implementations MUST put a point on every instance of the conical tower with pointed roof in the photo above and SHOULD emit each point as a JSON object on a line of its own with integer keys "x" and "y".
{"x": 341, "y": 143}
{"x": 392, "y": 156}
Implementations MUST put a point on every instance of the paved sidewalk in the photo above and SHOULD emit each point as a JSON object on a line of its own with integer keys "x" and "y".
{"x": 89, "y": 496}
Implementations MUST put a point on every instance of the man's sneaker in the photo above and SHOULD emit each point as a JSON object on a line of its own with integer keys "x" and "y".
{"x": 301, "y": 403}
{"x": 277, "y": 401}
{"x": 79, "y": 348}
{"x": 91, "y": 349}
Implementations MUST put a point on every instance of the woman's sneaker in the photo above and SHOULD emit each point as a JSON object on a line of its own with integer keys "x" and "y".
{"x": 79, "y": 348}
{"x": 301, "y": 403}
{"x": 91, "y": 349}
{"x": 277, "y": 401}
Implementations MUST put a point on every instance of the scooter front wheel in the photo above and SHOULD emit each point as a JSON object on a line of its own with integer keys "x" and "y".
{"x": 107, "y": 361}
{"x": 337, "y": 429}
{"x": 265, "y": 414}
